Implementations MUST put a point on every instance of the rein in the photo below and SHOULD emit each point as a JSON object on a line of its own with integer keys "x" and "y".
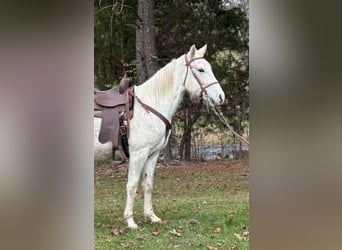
{"x": 158, "y": 114}
{"x": 188, "y": 65}
{"x": 225, "y": 122}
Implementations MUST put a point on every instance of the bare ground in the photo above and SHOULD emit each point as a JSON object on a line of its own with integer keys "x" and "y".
{"x": 186, "y": 168}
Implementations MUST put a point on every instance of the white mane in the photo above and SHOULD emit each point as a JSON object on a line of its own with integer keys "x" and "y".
{"x": 159, "y": 86}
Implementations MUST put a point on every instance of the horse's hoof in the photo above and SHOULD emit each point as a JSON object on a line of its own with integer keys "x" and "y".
{"x": 131, "y": 223}
{"x": 133, "y": 226}
{"x": 154, "y": 219}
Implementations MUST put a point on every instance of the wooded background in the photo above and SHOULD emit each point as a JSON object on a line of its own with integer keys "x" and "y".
{"x": 140, "y": 37}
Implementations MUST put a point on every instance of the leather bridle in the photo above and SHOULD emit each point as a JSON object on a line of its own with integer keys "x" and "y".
{"x": 188, "y": 65}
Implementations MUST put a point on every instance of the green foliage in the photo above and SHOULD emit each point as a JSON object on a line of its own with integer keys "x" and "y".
{"x": 203, "y": 22}
{"x": 114, "y": 41}
{"x": 233, "y": 66}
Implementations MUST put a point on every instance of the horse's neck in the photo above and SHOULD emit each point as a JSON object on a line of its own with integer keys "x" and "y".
{"x": 164, "y": 90}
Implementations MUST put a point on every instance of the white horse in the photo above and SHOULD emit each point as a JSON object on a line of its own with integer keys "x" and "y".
{"x": 148, "y": 132}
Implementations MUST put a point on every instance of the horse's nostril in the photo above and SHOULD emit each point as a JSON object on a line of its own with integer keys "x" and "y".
{"x": 221, "y": 99}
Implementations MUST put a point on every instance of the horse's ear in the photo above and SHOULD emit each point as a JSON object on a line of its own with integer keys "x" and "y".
{"x": 192, "y": 52}
{"x": 202, "y": 50}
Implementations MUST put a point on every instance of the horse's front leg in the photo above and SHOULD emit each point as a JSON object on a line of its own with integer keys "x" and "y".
{"x": 136, "y": 163}
{"x": 147, "y": 184}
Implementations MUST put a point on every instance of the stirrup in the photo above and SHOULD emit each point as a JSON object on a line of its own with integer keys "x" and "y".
{"x": 123, "y": 156}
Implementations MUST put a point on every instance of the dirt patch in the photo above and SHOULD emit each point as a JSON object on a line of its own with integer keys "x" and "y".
{"x": 202, "y": 176}
{"x": 184, "y": 169}
{"x": 209, "y": 167}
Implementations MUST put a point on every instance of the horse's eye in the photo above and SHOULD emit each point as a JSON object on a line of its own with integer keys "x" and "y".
{"x": 201, "y": 70}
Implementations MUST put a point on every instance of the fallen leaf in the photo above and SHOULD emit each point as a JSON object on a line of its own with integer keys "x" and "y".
{"x": 156, "y": 231}
{"x": 125, "y": 245}
{"x": 245, "y": 234}
{"x": 216, "y": 230}
{"x": 238, "y": 236}
{"x": 116, "y": 231}
{"x": 212, "y": 248}
{"x": 121, "y": 219}
{"x": 232, "y": 247}
{"x": 141, "y": 237}
{"x": 175, "y": 232}
{"x": 244, "y": 237}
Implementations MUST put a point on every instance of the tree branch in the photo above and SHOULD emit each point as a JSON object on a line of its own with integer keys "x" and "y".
{"x": 106, "y": 7}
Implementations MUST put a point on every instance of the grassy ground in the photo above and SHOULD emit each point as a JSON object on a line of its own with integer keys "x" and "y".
{"x": 203, "y": 205}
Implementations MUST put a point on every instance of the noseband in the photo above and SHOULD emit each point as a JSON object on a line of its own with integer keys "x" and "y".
{"x": 188, "y": 65}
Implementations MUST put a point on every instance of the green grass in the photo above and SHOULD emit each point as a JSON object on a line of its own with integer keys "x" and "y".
{"x": 203, "y": 205}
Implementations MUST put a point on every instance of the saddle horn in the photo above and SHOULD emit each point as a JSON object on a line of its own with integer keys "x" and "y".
{"x": 124, "y": 83}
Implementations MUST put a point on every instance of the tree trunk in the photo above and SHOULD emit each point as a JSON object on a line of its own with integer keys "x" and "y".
{"x": 190, "y": 116}
{"x": 187, "y": 142}
{"x": 139, "y": 43}
{"x": 146, "y": 52}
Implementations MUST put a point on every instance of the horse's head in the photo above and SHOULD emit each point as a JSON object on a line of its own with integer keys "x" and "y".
{"x": 199, "y": 78}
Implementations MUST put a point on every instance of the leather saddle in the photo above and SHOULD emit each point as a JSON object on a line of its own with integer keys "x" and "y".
{"x": 115, "y": 107}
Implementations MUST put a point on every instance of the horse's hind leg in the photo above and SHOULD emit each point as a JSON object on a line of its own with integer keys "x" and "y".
{"x": 147, "y": 184}
{"x": 136, "y": 163}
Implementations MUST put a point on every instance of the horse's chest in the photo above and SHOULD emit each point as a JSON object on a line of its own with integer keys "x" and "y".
{"x": 148, "y": 131}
